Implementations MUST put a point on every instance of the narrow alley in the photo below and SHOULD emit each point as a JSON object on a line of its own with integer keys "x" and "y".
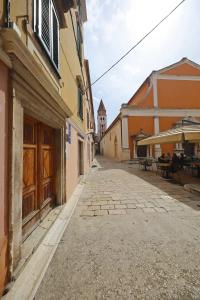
{"x": 133, "y": 235}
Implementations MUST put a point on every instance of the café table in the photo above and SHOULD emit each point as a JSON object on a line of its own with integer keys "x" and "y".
{"x": 165, "y": 168}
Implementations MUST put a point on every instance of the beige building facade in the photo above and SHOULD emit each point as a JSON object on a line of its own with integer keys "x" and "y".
{"x": 44, "y": 104}
{"x": 111, "y": 143}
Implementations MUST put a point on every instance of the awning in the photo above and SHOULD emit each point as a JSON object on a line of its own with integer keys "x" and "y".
{"x": 176, "y": 135}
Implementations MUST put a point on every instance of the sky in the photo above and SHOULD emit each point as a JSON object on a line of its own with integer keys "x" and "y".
{"x": 113, "y": 27}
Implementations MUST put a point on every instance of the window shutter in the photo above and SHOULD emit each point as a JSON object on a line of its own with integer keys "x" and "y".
{"x": 79, "y": 41}
{"x": 55, "y": 38}
{"x": 45, "y": 23}
{"x": 80, "y": 103}
{"x": 46, "y": 26}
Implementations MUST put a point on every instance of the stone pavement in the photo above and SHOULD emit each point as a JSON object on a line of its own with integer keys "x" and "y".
{"x": 133, "y": 235}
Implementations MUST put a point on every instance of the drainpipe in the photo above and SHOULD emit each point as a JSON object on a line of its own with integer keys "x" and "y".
{"x": 7, "y": 13}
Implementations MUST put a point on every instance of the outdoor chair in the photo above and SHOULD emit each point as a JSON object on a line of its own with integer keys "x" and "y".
{"x": 193, "y": 169}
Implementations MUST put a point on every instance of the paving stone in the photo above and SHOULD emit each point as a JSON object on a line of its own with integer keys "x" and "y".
{"x": 150, "y": 205}
{"x": 108, "y": 206}
{"x": 131, "y": 206}
{"x": 93, "y": 207}
{"x": 100, "y": 212}
{"x": 117, "y": 212}
{"x": 116, "y": 198}
{"x": 129, "y": 201}
{"x": 148, "y": 210}
{"x": 114, "y": 202}
{"x": 140, "y": 205}
{"x": 99, "y": 202}
{"x": 120, "y": 206}
{"x": 160, "y": 209}
{"x": 87, "y": 213}
{"x": 133, "y": 210}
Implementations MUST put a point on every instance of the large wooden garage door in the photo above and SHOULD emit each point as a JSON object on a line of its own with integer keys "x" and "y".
{"x": 38, "y": 173}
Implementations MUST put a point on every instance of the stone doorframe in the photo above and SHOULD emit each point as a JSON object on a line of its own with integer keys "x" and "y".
{"x": 137, "y": 137}
{"x": 30, "y": 93}
{"x": 81, "y": 153}
{"x": 16, "y": 175}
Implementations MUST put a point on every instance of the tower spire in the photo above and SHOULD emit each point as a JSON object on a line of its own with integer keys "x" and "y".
{"x": 101, "y": 106}
{"x": 101, "y": 119}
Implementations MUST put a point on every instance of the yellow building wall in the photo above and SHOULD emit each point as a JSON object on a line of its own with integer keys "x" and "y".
{"x": 21, "y": 13}
{"x": 110, "y": 144}
{"x": 66, "y": 86}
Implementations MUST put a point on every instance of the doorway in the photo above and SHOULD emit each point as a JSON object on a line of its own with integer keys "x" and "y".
{"x": 80, "y": 158}
{"x": 189, "y": 149}
{"x": 38, "y": 173}
{"x": 115, "y": 147}
{"x": 141, "y": 151}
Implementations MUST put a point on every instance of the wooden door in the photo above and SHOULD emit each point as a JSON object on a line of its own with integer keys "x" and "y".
{"x": 29, "y": 203}
{"x": 38, "y": 173}
{"x": 46, "y": 168}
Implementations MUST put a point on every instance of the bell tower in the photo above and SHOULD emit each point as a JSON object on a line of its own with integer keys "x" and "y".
{"x": 101, "y": 119}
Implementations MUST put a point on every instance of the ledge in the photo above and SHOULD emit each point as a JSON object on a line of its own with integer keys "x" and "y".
{"x": 30, "y": 78}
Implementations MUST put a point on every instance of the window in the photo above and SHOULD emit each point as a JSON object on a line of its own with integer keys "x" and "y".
{"x": 79, "y": 41}
{"x": 46, "y": 26}
{"x": 80, "y": 104}
{"x": 88, "y": 121}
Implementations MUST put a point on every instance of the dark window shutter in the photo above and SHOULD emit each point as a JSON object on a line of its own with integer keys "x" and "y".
{"x": 79, "y": 41}
{"x": 55, "y": 38}
{"x": 46, "y": 26}
{"x": 45, "y": 23}
{"x": 80, "y": 104}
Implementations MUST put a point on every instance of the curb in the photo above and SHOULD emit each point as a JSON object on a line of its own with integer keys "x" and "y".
{"x": 28, "y": 282}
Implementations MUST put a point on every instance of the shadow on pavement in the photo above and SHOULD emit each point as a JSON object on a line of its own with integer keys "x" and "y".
{"x": 171, "y": 187}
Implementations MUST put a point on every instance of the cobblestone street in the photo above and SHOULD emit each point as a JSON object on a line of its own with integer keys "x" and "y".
{"x": 133, "y": 235}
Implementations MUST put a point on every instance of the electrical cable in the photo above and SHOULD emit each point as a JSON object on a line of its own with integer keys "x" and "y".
{"x": 132, "y": 48}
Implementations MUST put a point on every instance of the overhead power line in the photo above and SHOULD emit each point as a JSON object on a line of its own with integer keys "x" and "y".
{"x": 132, "y": 48}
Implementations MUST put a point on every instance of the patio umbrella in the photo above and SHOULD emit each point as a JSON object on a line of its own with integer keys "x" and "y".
{"x": 172, "y": 136}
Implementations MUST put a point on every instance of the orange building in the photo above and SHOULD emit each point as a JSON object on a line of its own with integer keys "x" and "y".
{"x": 165, "y": 98}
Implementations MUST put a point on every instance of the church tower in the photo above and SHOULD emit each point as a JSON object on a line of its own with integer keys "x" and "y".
{"x": 101, "y": 119}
